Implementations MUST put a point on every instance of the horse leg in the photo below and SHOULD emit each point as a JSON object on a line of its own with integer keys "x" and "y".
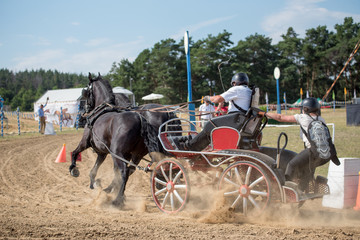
{"x": 99, "y": 160}
{"x": 113, "y": 183}
{"x": 84, "y": 144}
{"x": 121, "y": 177}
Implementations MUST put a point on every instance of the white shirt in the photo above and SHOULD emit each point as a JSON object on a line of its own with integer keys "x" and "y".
{"x": 241, "y": 95}
{"x": 206, "y": 109}
{"x": 304, "y": 120}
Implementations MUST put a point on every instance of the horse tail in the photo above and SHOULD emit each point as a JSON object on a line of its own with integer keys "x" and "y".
{"x": 176, "y": 125}
{"x": 149, "y": 133}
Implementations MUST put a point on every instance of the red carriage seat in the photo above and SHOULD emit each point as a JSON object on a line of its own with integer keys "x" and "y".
{"x": 225, "y": 138}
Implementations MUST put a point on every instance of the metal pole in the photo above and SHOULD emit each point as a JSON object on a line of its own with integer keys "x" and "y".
{"x": 278, "y": 108}
{"x": 61, "y": 118}
{"x": 277, "y": 76}
{"x": 133, "y": 94}
{"x": 191, "y": 105}
{"x": 18, "y": 120}
{"x": 2, "y": 116}
{"x": 77, "y": 117}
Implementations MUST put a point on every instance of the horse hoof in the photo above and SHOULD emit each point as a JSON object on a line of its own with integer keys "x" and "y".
{"x": 97, "y": 183}
{"x": 119, "y": 204}
{"x": 75, "y": 172}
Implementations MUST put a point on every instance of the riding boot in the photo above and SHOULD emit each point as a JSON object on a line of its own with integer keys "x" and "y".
{"x": 180, "y": 145}
{"x": 185, "y": 138}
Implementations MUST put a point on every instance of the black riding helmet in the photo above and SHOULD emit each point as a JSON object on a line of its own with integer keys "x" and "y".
{"x": 311, "y": 105}
{"x": 240, "y": 79}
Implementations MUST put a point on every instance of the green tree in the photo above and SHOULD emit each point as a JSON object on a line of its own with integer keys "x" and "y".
{"x": 257, "y": 57}
{"x": 317, "y": 65}
{"x": 122, "y": 73}
{"x": 290, "y": 64}
{"x": 347, "y": 36}
{"x": 206, "y": 55}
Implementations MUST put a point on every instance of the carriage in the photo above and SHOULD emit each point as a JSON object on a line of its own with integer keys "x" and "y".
{"x": 249, "y": 177}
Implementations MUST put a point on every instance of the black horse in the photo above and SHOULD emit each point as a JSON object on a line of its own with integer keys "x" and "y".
{"x": 126, "y": 135}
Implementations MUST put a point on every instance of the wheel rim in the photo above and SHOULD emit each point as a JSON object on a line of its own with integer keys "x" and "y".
{"x": 246, "y": 188}
{"x": 169, "y": 186}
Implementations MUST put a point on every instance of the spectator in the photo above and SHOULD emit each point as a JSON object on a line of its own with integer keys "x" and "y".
{"x": 42, "y": 117}
{"x": 206, "y": 111}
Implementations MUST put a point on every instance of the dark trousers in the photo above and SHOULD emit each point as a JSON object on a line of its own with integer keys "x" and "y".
{"x": 202, "y": 140}
{"x": 300, "y": 159}
{"x": 302, "y": 167}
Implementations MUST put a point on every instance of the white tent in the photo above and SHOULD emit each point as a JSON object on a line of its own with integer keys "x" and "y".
{"x": 128, "y": 93}
{"x": 152, "y": 96}
{"x": 67, "y": 99}
{"x": 122, "y": 90}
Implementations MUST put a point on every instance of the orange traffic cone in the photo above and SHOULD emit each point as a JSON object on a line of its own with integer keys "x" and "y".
{"x": 357, "y": 207}
{"x": 62, "y": 155}
{"x": 78, "y": 159}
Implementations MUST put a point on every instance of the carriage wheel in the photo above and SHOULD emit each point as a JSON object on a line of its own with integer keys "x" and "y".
{"x": 170, "y": 186}
{"x": 246, "y": 188}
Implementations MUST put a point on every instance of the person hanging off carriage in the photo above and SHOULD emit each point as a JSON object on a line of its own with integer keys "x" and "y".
{"x": 319, "y": 148}
{"x": 239, "y": 97}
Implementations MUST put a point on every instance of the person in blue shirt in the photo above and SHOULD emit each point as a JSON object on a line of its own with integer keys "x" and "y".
{"x": 42, "y": 117}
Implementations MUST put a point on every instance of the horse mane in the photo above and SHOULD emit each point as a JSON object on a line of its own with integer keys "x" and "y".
{"x": 122, "y": 100}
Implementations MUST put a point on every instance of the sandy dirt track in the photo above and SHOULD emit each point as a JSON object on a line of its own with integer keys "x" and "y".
{"x": 40, "y": 200}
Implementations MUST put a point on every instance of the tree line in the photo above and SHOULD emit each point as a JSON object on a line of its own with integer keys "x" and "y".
{"x": 22, "y": 89}
{"x": 311, "y": 63}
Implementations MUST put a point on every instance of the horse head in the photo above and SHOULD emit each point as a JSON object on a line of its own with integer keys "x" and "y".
{"x": 98, "y": 91}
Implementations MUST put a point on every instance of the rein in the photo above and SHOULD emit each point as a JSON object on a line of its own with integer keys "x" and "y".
{"x": 180, "y": 107}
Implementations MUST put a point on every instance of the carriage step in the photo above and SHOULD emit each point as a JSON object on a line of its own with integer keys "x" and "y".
{"x": 307, "y": 196}
{"x": 294, "y": 194}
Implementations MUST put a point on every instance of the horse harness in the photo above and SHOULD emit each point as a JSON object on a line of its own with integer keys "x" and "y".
{"x": 100, "y": 110}
{"x": 106, "y": 108}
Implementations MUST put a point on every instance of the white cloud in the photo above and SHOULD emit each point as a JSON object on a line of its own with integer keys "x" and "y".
{"x": 43, "y": 59}
{"x": 198, "y": 26}
{"x": 96, "y": 42}
{"x": 75, "y": 23}
{"x": 1, "y": 44}
{"x": 71, "y": 40}
{"x": 40, "y": 41}
{"x": 94, "y": 60}
{"x": 302, "y": 15}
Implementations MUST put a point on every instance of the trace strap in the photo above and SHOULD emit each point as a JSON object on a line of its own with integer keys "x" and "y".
{"x": 146, "y": 169}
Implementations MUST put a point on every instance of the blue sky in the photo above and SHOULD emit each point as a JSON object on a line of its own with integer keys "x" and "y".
{"x": 81, "y": 36}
